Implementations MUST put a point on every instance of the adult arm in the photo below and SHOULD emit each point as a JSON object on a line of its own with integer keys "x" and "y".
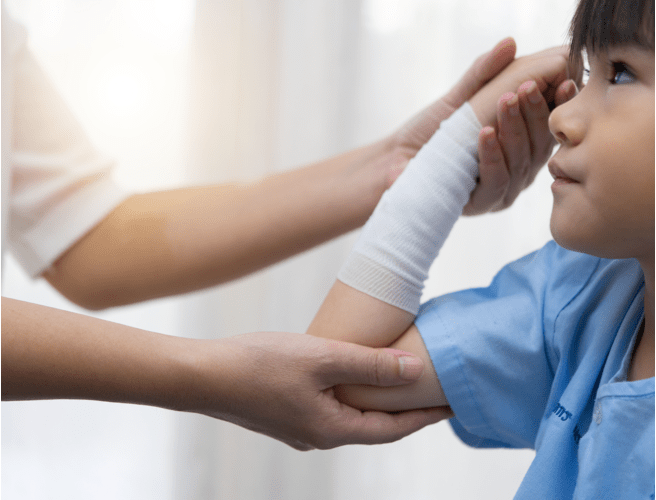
{"x": 164, "y": 236}
{"x": 160, "y": 244}
{"x": 359, "y": 316}
{"x": 166, "y": 243}
{"x": 278, "y": 384}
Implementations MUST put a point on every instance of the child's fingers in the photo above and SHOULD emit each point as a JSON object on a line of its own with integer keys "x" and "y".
{"x": 565, "y": 92}
{"x": 493, "y": 175}
{"x": 515, "y": 142}
{"x": 536, "y": 116}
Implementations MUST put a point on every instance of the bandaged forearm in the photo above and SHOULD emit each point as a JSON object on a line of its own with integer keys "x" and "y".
{"x": 397, "y": 246}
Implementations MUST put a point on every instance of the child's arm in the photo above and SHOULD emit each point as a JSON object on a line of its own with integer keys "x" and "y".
{"x": 386, "y": 270}
{"x": 350, "y": 315}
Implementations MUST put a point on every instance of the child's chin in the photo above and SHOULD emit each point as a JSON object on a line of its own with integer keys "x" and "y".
{"x": 570, "y": 239}
{"x": 560, "y": 234}
{"x": 576, "y": 243}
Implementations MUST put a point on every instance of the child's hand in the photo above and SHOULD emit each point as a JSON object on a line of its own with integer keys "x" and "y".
{"x": 510, "y": 159}
{"x": 523, "y": 142}
{"x": 410, "y": 138}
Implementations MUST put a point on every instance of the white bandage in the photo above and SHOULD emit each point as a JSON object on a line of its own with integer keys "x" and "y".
{"x": 397, "y": 246}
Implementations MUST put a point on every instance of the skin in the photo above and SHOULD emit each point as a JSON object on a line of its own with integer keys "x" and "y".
{"x": 350, "y": 315}
{"x": 172, "y": 242}
{"x": 606, "y": 137}
{"x": 278, "y": 384}
{"x": 166, "y": 243}
{"x": 608, "y": 211}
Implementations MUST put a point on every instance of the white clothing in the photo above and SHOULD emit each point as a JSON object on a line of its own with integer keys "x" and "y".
{"x": 55, "y": 185}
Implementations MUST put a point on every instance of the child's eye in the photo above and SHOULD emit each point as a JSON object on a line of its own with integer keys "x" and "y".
{"x": 620, "y": 74}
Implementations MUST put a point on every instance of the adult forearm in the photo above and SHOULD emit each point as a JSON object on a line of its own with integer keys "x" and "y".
{"x": 52, "y": 354}
{"x": 278, "y": 384}
{"x": 166, "y": 243}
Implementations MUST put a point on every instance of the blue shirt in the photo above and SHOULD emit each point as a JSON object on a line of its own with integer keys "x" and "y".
{"x": 539, "y": 360}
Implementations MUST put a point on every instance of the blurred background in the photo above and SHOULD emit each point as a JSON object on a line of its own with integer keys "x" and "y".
{"x": 185, "y": 92}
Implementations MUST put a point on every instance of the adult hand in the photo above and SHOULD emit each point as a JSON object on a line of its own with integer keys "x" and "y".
{"x": 548, "y": 69}
{"x": 278, "y": 384}
{"x": 409, "y": 139}
{"x": 510, "y": 157}
{"x": 282, "y": 385}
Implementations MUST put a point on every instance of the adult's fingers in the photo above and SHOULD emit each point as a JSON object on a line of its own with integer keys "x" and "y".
{"x": 566, "y": 90}
{"x": 373, "y": 427}
{"x": 421, "y": 127}
{"x": 486, "y": 67}
{"x": 359, "y": 365}
{"x": 571, "y": 70}
{"x": 574, "y": 75}
{"x": 576, "y": 70}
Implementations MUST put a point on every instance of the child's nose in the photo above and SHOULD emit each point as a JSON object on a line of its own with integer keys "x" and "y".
{"x": 566, "y": 123}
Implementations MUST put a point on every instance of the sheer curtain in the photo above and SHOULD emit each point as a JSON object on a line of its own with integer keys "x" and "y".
{"x": 233, "y": 90}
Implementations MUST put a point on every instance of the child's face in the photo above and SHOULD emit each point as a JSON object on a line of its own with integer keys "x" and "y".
{"x": 606, "y": 136}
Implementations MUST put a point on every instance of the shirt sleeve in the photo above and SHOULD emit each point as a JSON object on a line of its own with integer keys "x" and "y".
{"x": 492, "y": 348}
{"x": 61, "y": 185}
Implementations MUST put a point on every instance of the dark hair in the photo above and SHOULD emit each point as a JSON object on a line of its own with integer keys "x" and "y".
{"x": 600, "y": 24}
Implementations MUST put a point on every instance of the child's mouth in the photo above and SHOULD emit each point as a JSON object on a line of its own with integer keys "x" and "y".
{"x": 560, "y": 177}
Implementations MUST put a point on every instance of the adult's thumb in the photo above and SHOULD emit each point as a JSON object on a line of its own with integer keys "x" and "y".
{"x": 410, "y": 366}
{"x": 359, "y": 365}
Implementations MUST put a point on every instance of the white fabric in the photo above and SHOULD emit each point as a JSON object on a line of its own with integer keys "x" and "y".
{"x": 402, "y": 238}
{"x": 56, "y": 186}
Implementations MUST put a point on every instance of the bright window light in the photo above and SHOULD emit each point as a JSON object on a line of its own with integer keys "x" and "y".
{"x": 388, "y": 16}
{"x": 122, "y": 92}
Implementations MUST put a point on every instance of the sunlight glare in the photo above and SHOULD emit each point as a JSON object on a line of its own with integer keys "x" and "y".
{"x": 388, "y": 16}
{"x": 123, "y": 92}
{"x": 164, "y": 22}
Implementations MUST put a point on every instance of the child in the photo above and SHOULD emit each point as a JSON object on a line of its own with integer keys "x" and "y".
{"x": 557, "y": 354}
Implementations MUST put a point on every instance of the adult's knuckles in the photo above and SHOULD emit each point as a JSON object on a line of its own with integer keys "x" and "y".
{"x": 382, "y": 368}
{"x": 376, "y": 368}
{"x": 372, "y": 367}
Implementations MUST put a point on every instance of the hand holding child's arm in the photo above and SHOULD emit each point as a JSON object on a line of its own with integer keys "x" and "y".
{"x": 278, "y": 384}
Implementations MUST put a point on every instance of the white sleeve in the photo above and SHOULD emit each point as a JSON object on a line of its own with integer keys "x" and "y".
{"x": 397, "y": 246}
{"x": 60, "y": 184}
